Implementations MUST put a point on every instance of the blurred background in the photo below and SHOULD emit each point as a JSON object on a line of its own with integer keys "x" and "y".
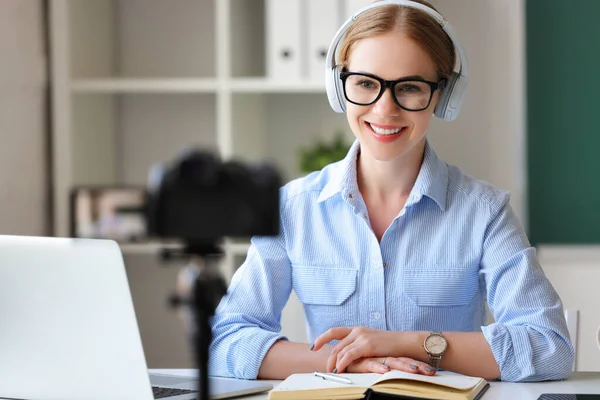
{"x": 93, "y": 92}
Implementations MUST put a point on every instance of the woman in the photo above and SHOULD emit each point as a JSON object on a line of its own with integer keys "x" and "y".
{"x": 392, "y": 244}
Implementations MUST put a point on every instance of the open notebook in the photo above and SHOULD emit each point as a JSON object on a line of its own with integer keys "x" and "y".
{"x": 444, "y": 385}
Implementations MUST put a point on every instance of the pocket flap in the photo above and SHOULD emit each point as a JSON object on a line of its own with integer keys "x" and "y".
{"x": 323, "y": 285}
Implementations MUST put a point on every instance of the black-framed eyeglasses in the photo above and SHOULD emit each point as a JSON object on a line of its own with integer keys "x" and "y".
{"x": 410, "y": 94}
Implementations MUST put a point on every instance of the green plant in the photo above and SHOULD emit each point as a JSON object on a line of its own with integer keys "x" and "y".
{"x": 322, "y": 153}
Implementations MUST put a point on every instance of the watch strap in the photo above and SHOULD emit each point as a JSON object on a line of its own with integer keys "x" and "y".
{"x": 434, "y": 361}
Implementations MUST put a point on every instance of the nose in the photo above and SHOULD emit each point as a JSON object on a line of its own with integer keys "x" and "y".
{"x": 386, "y": 105}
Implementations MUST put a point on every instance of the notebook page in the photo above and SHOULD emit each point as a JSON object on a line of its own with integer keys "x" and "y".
{"x": 309, "y": 381}
{"x": 443, "y": 378}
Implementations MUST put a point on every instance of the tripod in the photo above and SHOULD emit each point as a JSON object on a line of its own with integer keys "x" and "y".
{"x": 209, "y": 287}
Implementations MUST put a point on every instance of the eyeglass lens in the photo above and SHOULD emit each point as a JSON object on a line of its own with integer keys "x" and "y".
{"x": 412, "y": 95}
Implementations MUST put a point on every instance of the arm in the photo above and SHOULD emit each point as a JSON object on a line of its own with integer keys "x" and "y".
{"x": 468, "y": 352}
{"x": 246, "y": 327}
{"x": 286, "y": 358}
{"x": 530, "y": 339}
{"x": 247, "y": 322}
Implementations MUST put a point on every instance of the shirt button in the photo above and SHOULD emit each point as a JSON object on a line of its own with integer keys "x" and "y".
{"x": 365, "y": 216}
{"x": 385, "y": 264}
{"x": 376, "y": 315}
{"x": 350, "y": 196}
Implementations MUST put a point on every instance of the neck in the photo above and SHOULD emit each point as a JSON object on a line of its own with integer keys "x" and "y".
{"x": 385, "y": 181}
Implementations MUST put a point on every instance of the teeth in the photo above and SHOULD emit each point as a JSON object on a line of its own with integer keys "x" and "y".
{"x": 384, "y": 131}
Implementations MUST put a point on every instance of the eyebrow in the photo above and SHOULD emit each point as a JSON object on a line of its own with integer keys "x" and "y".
{"x": 413, "y": 77}
{"x": 410, "y": 77}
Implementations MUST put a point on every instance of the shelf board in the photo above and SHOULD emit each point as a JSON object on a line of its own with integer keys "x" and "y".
{"x": 145, "y": 85}
{"x": 192, "y": 85}
{"x": 148, "y": 247}
{"x": 237, "y": 248}
{"x": 265, "y": 85}
{"x": 156, "y": 247}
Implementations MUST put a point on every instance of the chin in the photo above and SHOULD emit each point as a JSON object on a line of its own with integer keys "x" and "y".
{"x": 386, "y": 156}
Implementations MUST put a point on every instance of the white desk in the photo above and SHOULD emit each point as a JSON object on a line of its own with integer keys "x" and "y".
{"x": 579, "y": 382}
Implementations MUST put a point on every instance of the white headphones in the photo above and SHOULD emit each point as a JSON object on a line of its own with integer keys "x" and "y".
{"x": 451, "y": 97}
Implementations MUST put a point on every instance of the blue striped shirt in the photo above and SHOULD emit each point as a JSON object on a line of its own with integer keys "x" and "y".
{"x": 454, "y": 245}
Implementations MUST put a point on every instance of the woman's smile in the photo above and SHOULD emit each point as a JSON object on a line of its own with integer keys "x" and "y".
{"x": 385, "y": 133}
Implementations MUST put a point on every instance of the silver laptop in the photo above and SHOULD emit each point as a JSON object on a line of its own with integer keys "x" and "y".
{"x": 68, "y": 329}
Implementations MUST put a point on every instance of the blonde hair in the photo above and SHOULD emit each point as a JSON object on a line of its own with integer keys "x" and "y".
{"x": 416, "y": 24}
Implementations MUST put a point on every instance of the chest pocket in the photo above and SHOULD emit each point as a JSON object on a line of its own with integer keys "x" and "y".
{"x": 323, "y": 285}
{"x": 441, "y": 287}
{"x": 326, "y": 294}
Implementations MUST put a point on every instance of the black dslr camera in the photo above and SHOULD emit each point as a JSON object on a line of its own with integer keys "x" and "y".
{"x": 199, "y": 200}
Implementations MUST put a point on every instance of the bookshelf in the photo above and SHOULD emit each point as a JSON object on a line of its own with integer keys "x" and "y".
{"x": 132, "y": 87}
{"x": 136, "y": 81}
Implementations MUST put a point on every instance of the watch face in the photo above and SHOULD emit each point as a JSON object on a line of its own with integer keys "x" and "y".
{"x": 436, "y": 344}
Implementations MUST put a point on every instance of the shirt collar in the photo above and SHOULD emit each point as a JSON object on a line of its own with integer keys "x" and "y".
{"x": 432, "y": 180}
{"x": 343, "y": 177}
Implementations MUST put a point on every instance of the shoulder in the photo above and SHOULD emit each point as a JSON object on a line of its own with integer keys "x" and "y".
{"x": 309, "y": 186}
{"x": 476, "y": 192}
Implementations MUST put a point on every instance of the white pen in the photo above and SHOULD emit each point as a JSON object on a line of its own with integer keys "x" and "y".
{"x": 333, "y": 378}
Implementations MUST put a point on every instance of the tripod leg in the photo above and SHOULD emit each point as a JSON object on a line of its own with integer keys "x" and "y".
{"x": 208, "y": 292}
{"x": 202, "y": 344}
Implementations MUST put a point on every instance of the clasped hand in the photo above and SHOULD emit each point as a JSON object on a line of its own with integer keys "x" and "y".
{"x": 362, "y": 349}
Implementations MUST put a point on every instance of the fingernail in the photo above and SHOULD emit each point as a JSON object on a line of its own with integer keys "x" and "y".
{"x": 429, "y": 369}
{"x": 335, "y": 370}
{"x": 385, "y": 366}
{"x": 413, "y": 366}
{"x": 312, "y": 346}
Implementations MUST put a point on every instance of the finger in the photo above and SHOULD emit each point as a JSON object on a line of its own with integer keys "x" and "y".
{"x": 350, "y": 354}
{"x": 426, "y": 369}
{"x": 339, "y": 347}
{"x": 422, "y": 367}
{"x": 409, "y": 365}
{"x": 368, "y": 365}
{"x": 359, "y": 348}
{"x": 331, "y": 334}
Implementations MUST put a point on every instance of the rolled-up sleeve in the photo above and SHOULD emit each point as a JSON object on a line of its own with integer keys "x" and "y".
{"x": 247, "y": 322}
{"x": 529, "y": 338}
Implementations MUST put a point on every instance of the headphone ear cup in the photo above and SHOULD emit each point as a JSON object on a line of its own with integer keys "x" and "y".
{"x": 451, "y": 98}
{"x": 335, "y": 91}
{"x": 444, "y": 99}
{"x": 339, "y": 85}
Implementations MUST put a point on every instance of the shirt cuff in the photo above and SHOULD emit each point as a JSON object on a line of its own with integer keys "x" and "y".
{"x": 507, "y": 342}
{"x": 246, "y": 351}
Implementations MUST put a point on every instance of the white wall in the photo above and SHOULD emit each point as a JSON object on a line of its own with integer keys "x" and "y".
{"x": 23, "y": 129}
{"x": 487, "y": 140}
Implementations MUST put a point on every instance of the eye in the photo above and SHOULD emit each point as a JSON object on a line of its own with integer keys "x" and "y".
{"x": 367, "y": 84}
{"x": 408, "y": 88}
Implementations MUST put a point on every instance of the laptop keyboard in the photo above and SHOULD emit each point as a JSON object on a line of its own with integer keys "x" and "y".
{"x": 162, "y": 392}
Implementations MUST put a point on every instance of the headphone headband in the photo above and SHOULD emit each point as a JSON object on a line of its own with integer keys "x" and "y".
{"x": 453, "y": 95}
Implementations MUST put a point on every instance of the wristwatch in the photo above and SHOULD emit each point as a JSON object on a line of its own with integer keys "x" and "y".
{"x": 435, "y": 345}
